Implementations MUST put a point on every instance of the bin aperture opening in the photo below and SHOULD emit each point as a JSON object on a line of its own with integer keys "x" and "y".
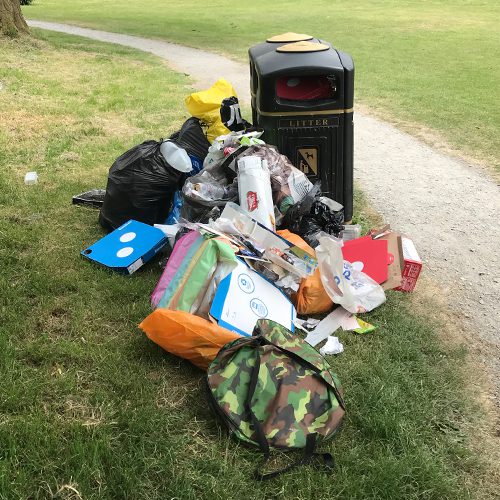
{"x": 306, "y": 88}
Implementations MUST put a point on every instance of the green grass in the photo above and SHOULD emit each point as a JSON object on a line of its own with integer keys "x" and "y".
{"x": 89, "y": 404}
{"x": 420, "y": 63}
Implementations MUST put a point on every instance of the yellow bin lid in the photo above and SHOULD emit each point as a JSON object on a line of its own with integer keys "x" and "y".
{"x": 303, "y": 47}
{"x": 289, "y": 37}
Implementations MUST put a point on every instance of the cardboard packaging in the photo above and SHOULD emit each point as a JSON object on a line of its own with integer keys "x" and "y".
{"x": 368, "y": 255}
{"x": 395, "y": 261}
{"x": 412, "y": 265}
{"x": 127, "y": 248}
{"x": 244, "y": 296}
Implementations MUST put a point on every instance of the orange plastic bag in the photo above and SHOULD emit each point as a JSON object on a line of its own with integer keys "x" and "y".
{"x": 186, "y": 335}
{"x": 311, "y": 297}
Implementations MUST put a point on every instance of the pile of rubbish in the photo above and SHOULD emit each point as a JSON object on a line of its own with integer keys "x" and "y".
{"x": 251, "y": 250}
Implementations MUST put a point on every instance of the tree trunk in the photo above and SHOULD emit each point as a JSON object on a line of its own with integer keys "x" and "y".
{"x": 11, "y": 18}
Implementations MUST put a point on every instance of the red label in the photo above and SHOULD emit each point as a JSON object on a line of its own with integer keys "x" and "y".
{"x": 252, "y": 201}
{"x": 390, "y": 258}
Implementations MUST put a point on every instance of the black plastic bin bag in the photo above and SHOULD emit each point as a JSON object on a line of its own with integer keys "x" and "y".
{"x": 141, "y": 185}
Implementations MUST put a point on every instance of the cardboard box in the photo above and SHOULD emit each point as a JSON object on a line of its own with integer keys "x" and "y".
{"x": 412, "y": 265}
{"x": 395, "y": 261}
{"x": 244, "y": 296}
{"x": 127, "y": 248}
{"x": 368, "y": 255}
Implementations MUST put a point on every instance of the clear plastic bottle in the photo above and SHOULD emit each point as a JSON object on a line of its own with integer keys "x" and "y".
{"x": 210, "y": 191}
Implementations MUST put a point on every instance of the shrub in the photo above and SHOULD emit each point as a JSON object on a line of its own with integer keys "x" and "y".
{"x": 26, "y": 2}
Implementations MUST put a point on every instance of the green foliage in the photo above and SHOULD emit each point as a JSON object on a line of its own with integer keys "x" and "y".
{"x": 26, "y": 2}
{"x": 431, "y": 63}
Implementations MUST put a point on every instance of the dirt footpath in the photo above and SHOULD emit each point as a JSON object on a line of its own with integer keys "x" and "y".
{"x": 449, "y": 208}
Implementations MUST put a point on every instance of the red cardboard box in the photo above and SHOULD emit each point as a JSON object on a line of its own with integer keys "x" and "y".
{"x": 412, "y": 266}
{"x": 370, "y": 256}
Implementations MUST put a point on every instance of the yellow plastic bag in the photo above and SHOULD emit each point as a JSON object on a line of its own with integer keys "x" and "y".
{"x": 206, "y": 104}
{"x": 311, "y": 297}
{"x": 186, "y": 335}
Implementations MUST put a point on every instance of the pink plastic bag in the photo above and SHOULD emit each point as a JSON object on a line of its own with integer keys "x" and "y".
{"x": 179, "y": 252}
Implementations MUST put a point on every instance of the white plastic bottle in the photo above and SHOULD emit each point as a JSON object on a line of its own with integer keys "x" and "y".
{"x": 176, "y": 157}
{"x": 254, "y": 186}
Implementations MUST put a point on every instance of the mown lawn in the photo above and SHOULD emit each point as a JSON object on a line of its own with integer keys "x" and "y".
{"x": 89, "y": 407}
{"x": 430, "y": 64}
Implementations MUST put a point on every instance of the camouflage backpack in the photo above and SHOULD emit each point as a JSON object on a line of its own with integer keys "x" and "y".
{"x": 274, "y": 390}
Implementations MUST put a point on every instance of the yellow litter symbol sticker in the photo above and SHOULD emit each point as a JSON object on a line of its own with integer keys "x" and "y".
{"x": 308, "y": 160}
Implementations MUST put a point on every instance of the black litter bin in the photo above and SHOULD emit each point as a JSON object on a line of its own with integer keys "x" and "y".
{"x": 302, "y": 96}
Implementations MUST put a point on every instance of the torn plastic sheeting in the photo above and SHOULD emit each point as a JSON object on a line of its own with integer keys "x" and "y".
{"x": 327, "y": 326}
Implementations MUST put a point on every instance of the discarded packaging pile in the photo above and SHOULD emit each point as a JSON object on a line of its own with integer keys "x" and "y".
{"x": 252, "y": 250}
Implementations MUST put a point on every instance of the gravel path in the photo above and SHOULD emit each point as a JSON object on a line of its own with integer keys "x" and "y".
{"x": 449, "y": 208}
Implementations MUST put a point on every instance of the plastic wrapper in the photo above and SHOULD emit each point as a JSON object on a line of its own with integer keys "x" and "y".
{"x": 141, "y": 185}
{"x": 352, "y": 289}
{"x": 223, "y": 145}
{"x": 92, "y": 198}
{"x": 289, "y": 185}
{"x": 210, "y": 189}
{"x": 187, "y": 281}
{"x": 311, "y": 297}
{"x": 314, "y": 215}
{"x": 364, "y": 327}
{"x": 187, "y": 336}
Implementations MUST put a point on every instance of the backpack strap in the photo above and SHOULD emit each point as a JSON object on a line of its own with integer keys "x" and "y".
{"x": 311, "y": 439}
